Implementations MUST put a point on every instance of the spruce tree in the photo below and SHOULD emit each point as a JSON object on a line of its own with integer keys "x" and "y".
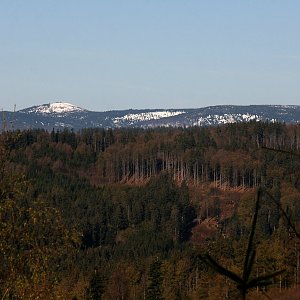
{"x": 155, "y": 279}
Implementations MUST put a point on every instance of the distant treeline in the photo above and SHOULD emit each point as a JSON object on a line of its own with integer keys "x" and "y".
{"x": 229, "y": 156}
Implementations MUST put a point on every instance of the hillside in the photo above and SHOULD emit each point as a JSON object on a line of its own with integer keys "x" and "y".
{"x": 60, "y": 115}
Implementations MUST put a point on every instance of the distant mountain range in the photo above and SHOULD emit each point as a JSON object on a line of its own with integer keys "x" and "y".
{"x": 61, "y": 115}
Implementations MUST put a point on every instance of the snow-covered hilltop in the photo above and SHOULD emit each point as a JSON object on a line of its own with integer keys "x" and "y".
{"x": 54, "y": 108}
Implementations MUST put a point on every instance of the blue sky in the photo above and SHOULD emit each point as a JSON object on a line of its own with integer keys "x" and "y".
{"x": 104, "y": 55}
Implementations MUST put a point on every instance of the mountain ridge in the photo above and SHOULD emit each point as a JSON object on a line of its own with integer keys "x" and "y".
{"x": 59, "y": 115}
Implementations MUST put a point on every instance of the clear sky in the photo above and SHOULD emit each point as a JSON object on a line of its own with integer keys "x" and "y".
{"x": 106, "y": 54}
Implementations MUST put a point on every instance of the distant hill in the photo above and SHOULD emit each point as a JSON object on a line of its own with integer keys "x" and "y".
{"x": 60, "y": 115}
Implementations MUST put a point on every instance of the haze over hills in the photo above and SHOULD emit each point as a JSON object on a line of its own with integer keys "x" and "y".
{"x": 60, "y": 115}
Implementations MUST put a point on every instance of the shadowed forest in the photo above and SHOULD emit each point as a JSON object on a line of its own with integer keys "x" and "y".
{"x": 131, "y": 213}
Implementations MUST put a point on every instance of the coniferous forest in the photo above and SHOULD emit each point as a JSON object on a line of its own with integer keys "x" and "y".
{"x": 166, "y": 213}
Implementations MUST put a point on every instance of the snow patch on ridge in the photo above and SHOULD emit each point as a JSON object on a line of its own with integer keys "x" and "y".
{"x": 147, "y": 116}
{"x": 226, "y": 119}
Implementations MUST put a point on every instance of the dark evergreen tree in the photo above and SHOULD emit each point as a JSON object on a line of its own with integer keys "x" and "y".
{"x": 96, "y": 287}
{"x": 154, "y": 291}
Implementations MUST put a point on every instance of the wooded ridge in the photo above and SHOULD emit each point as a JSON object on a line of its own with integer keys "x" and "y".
{"x": 60, "y": 115}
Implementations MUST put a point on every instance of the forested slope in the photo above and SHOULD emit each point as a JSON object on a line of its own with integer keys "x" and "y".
{"x": 129, "y": 213}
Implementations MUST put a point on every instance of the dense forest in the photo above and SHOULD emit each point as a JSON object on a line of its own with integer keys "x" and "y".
{"x": 132, "y": 213}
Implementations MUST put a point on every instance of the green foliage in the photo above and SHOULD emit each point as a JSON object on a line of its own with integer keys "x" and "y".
{"x": 245, "y": 282}
{"x": 33, "y": 239}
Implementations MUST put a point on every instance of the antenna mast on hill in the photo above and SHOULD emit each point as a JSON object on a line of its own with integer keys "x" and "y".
{"x": 4, "y": 125}
{"x": 12, "y": 122}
